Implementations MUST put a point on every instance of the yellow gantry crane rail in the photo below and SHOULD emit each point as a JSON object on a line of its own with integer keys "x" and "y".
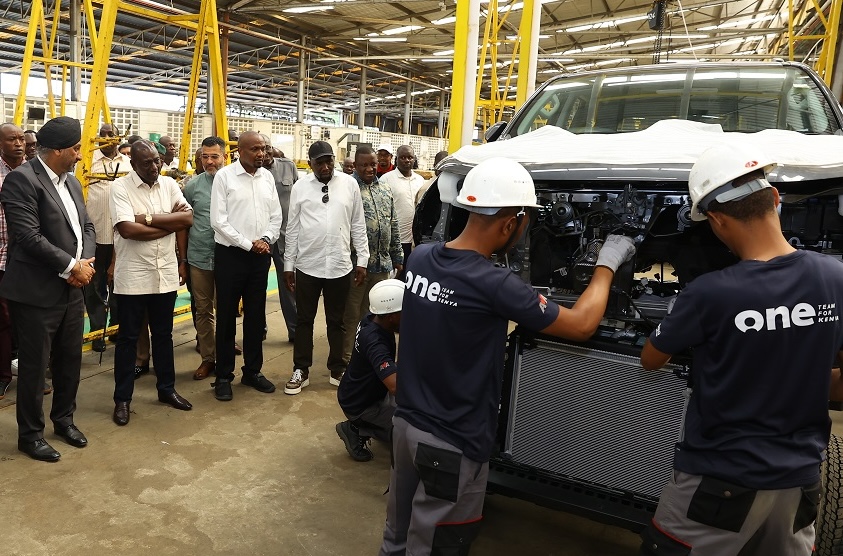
{"x": 100, "y": 35}
{"x": 798, "y": 17}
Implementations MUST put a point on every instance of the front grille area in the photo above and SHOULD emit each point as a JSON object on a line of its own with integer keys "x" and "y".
{"x": 595, "y": 416}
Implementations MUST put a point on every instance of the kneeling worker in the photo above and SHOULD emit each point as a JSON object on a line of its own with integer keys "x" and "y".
{"x": 367, "y": 391}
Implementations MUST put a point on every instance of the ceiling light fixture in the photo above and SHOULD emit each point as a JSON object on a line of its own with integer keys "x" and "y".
{"x": 404, "y": 29}
{"x": 444, "y": 20}
{"x": 739, "y": 23}
{"x": 381, "y": 39}
{"x": 306, "y": 9}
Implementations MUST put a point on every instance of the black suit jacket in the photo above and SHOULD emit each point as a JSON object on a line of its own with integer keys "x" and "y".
{"x": 41, "y": 239}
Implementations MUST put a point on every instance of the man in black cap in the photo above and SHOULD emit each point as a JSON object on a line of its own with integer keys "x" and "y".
{"x": 51, "y": 248}
{"x": 325, "y": 218}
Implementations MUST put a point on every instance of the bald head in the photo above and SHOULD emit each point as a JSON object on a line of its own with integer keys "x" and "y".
{"x": 252, "y": 149}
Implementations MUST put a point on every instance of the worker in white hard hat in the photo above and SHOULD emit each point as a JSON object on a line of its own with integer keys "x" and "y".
{"x": 366, "y": 392}
{"x": 455, "y": 314}
{"x": 765, "y": 334}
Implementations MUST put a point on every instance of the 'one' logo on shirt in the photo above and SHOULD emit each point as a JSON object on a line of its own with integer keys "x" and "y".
{"x": 773, "y": 318}
{"x": 432, "y": 291}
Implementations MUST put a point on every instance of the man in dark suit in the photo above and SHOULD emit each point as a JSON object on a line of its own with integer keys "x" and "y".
{"x": 51, "y": 248}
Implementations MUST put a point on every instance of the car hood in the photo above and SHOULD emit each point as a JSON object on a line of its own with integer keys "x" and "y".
{"x": 663, "y": 152}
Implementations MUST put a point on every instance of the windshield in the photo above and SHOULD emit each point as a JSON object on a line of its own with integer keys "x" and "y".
{"x": 742, "y": 99}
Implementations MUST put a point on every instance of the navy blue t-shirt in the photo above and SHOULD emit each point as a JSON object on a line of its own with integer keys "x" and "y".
{"x": 765, "y": 336}
{"x": 453, "y": 338}
{"x": 372, "y": 360}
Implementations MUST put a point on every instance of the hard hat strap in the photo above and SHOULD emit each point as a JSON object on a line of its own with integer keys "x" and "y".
{"x": 727, "y": 193}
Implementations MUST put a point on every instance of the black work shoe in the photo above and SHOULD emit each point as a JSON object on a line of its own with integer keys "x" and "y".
{"x": 38, "y": 449}
{"x": 258, "y": 382}
{"x": 355, "y": 444}
{"x": 141, "y": 370}
{"x": 71, "y": 435}
{"x": 98, "y": 345}
{"x": 222, "y": 390}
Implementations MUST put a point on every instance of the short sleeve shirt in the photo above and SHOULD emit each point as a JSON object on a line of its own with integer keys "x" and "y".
{"x": 454, "y": 321}
{"x": 144, "y": 267}
{"x": 372, "y": 361}
{"x": 200, "y": 247}
{"x": 764, "y": 336}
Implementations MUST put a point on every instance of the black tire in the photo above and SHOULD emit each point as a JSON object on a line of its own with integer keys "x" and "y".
{"x": 829, "y": 523}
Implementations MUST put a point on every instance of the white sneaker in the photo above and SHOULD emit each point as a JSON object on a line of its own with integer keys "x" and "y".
{"x": 336, "y": 378}
{"x": 14, "y": 367}
{"x": 298, "y": 381}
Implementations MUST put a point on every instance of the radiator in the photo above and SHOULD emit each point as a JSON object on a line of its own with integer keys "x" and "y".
{"x": 595, "y": 416}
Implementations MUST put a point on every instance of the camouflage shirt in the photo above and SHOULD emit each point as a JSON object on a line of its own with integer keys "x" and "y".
{"x": 381, "y": 226}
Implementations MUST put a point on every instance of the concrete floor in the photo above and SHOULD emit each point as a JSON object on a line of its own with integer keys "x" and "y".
{"x": 263, "y": 474}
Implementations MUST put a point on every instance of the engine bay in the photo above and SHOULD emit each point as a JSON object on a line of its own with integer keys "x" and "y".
{"x": 558, "y": 253}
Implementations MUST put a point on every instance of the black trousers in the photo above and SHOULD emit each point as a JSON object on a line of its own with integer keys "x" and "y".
{"x": 159, "y": 309}
{"x": 97, "y": 290}
{"x": 240, "y": 274}
{"x": 407, "y": 248}
{"x": 48, "y": 335}
{"x": 334, "y": 292}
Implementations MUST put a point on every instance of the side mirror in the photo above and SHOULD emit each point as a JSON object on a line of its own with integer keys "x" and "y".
{"x": 494, "y": 132}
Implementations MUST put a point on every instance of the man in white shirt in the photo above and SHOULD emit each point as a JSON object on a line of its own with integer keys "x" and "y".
{"x": 107, "y": 160}
{"x": 169, "y": 158}
{"x": 325, "y": 219}
{"x": 404, "y": 184}
{"x": 147, "y": 210}
{"x": 246, "y": 217}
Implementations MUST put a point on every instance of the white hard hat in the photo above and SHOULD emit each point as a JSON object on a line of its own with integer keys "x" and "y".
{"x": 712, "y": 175}
{"x": 386, "y": 296}
{"x": 494, "y": 184}
{"x": 384, "y": 147}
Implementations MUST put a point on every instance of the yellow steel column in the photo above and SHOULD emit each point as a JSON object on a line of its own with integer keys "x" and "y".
{"x": 529, "y": 48}
{"x": 463, "y": 89}
{"x": 36, "y": 15}
{"x": 96, "y": 97}
{"x": 825, "y": 63}
{"x": 216, "y": 77}
{"x": 193, "y": 91}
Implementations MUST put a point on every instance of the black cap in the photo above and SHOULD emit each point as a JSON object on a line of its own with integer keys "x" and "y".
{"x": 60, "y": 133}
{"x": 319, "y": 149}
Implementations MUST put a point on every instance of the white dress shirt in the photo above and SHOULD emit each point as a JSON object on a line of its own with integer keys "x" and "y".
{"x": 144, "y": 267}
{"x": 404, "y": 191}
{"x": 59, "y": 182}
{"x": 244, "y": 207}
{"x": 97, "y": 202}
{"x": 319, "y": 234}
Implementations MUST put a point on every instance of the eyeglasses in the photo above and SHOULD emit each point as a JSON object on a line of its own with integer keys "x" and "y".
{"x": 325, "y": 191}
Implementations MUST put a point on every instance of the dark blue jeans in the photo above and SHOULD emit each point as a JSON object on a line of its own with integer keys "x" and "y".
{"x": 159, "y": 308}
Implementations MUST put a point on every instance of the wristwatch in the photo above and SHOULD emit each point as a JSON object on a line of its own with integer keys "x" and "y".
{"x": 148, "y": 219}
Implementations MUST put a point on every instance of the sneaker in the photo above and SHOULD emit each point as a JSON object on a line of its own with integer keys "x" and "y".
{"x": 222, "y": 390}
{"x": 4, "y": 385}
{"x": 15, "y": 366}
{"x": 336, "y": 378}
{"x": 298, "y": 381}
{"x": 355, "y": 445}
{"x": 258, "y": 382}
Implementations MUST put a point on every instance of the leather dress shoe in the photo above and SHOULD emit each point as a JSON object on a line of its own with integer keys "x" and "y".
{"x": 204, "y": 370}
{"x": 98, "y": 345}
{"x": 237, "y": 349}
{"x": 121, "y": 413}
{"x": 175, "y": 400}
{"x": 72, "y": 435}
{"x": 141, "y": 370}
{"x": 38, "y": 449}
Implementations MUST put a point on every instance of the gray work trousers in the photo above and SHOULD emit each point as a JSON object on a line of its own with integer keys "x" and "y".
{"x": 702, "y": 516}
{"x": 376, "y": 420}
{"x": 435, "y": 496}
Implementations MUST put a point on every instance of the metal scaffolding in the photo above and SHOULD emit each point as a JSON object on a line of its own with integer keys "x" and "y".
{"x": 205, "y": 25}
